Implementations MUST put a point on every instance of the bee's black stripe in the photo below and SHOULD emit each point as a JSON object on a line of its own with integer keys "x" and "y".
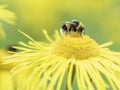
{"x": 64, "y": 27}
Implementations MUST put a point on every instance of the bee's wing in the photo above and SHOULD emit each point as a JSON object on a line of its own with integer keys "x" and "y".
{"x": 74, "y": 20}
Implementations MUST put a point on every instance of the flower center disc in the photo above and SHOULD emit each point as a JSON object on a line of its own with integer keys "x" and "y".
{"x": 78, "y": 47}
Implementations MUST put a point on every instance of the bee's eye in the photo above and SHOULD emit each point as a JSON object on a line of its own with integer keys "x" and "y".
{"x": 64, "y": 27}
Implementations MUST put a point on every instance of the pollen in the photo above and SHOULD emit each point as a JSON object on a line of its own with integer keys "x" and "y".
{"x": 78, "y": 47}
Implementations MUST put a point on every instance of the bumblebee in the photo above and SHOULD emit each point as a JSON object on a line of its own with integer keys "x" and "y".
{"x": 72, "y": 27}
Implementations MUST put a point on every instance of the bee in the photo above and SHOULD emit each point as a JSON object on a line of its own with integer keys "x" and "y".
{"x": 72, "y": 27}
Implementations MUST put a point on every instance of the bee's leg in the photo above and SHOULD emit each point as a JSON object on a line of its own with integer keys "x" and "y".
{"x": 80, "y": 32}
{"x": 69, "y": 30}
{"x": 74, "y": 29}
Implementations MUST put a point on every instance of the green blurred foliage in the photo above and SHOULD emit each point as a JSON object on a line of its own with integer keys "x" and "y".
{"x": 101, "y": 18}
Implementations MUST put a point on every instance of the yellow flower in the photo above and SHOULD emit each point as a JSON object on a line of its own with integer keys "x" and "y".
{"x": 66, "y": 60}
{"x": 7, "y": 16}
{"x": 6, "y": 81}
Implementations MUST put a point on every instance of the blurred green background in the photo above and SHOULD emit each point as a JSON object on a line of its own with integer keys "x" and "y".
{"x": 101, "y": 19}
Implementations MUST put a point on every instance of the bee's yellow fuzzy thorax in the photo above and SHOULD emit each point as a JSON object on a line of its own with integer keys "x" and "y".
{"x": 78, "y": 47}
